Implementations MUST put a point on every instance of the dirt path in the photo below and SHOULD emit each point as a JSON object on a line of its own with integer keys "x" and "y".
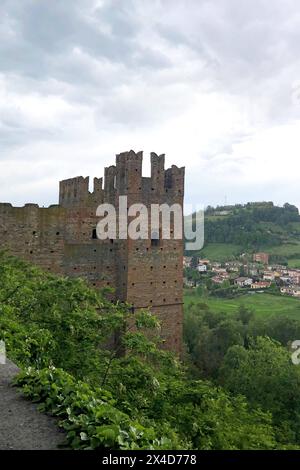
{"x": 22, "y": 426}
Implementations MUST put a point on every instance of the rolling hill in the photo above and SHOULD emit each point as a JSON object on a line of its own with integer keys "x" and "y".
{"x": 255, "y": 226}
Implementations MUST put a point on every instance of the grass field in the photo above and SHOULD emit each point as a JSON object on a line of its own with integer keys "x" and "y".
{"x": 226, "y": 251}
{"x": 262, "y": 304}
{"x": 287, "y": 249}
{"x": 294, "y": 263}
{"x": 220, "y": 251}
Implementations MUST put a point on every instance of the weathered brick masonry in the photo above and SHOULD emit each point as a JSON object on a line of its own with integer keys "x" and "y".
{"x": 61, "y": 238}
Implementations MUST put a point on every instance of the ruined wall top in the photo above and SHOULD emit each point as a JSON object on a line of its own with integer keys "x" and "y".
{"x": 125, "y": 177}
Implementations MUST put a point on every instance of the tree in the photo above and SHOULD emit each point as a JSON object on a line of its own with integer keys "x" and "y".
{"x": 213, "y": 344}
{"x": 213, "y": 419}
{"x": 245, "y": 315}
{"x": 265, "y": 374}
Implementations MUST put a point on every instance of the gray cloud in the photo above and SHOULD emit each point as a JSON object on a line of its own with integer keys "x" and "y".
{"x": 207, "y": 81}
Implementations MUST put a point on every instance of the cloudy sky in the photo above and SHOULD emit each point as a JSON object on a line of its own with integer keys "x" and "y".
{"x": 214, "y": 84}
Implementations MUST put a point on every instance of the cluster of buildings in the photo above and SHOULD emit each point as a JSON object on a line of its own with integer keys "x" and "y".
{"x": 255, "y": 275}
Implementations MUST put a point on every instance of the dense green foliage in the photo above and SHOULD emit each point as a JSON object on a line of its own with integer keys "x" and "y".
{"x": 104, "y": 398}
{"x": 249, "y": 355}
{"x": 264, "y": 373}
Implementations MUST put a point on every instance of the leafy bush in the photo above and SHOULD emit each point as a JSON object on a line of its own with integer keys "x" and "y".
{"x": 89, "y": 417}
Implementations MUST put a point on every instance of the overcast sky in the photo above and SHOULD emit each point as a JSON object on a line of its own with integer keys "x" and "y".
{"x": 213, "y": 84}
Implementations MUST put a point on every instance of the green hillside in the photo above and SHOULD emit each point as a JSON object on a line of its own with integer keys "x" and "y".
{"x": 259, "y": 226}
{"x": 220, "y": 251}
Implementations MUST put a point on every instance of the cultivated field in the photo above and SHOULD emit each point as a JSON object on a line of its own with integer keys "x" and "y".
{"x": 262, "y": 304}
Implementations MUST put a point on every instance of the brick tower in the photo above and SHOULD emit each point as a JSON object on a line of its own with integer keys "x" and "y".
{"x": 146, "y": 273}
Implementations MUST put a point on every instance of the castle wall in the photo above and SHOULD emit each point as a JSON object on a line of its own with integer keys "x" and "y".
{"x": 61, "y": 239}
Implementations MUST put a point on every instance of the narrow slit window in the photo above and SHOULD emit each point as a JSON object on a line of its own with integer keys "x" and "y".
{"x": 155, "y": 238}
{"x": 94, "y": 234}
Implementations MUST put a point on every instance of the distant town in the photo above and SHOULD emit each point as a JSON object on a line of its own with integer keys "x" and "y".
{"x": 255, "y": 274}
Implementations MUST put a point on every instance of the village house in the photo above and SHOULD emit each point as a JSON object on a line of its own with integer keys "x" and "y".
{"x": 202, "y": 268}
{"x": 296, "y": 280}
{"x": 215, "y": 264}
{"x": 286, "y": 290}
{"x": 260, "y": 285}
{"x": 234, "y": 269}
{"x": 261, "y": 258}
{"x": 282, "y": 272}
{"x": 295, "y": 276}
{"x": 277, "y": 267}
{"x": 225, "y": 275}
{"x": 219, "y": 270}
{"x": 218, "y": 279}
{"x": 270, "y": 275}
{"x": 291, "y": 290}
{"x": 286, "y": 280}
{"x": 204, "y": 261}
{"x": 243, "y": 281}
{"x": 233, "y": 266}
{"x": 292, "y": 272}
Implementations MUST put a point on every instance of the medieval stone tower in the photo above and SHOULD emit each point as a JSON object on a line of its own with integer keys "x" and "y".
{"x": 62, "y": 238}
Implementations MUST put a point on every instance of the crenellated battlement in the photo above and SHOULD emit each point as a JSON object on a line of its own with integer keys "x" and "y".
{"x": 125, "y": 177}
{"x": 174, "y": 179}
{"x": 73, "y": 191}
{"x": 130, "y": 156}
